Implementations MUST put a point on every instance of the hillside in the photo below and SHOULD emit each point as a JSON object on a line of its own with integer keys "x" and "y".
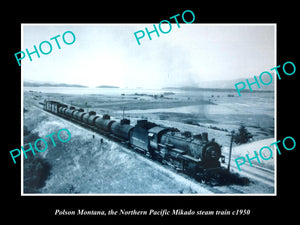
{"x": 226, "y": 85}
{"x": 106, "y": 86}
{"x": 45, "y": 84}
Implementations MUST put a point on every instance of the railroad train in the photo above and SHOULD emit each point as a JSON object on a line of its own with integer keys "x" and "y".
{"x": 191, "y": 154}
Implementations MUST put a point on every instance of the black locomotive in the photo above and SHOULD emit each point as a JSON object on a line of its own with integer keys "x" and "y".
{"x": 192, "y": 154}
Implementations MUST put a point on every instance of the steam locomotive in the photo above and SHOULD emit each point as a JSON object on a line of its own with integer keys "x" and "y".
{"x": 192, "y": 154}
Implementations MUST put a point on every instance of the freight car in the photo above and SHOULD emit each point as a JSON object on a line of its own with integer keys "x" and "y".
{"x": 192, "y": 154}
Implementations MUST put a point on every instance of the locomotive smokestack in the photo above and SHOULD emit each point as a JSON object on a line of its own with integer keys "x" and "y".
{"x": 125, "y": 121}
{"x": 205, "y": 136}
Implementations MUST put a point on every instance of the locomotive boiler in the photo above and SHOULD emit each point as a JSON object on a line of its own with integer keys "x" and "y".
{"x": 183, "y": 151}
{"x": 180, "y": 150}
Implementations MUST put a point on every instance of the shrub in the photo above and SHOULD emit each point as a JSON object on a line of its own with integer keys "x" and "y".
{"x": 242, "y": 136}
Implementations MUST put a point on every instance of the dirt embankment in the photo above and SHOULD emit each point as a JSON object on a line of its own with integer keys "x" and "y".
{"x": 36, "y": 169}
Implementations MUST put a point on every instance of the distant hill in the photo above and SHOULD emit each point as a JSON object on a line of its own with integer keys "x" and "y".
{"x": 107, "y": 86}
{"x": 229, "y": 84}
{"x": 226, "y": 85}
{"x": 38, "y": 84}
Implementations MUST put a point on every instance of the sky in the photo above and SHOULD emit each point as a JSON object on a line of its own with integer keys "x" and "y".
{"x": 108, "y": 54}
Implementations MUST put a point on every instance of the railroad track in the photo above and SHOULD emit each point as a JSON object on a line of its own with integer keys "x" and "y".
{"x": 256, "y": 172}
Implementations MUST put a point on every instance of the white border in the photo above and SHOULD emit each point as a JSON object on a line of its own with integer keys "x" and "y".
{"x": 22, "y": 118}
{"x": 195, "y": 195}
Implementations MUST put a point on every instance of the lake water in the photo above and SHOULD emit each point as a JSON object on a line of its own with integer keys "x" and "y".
{"x": 104, "y": 91}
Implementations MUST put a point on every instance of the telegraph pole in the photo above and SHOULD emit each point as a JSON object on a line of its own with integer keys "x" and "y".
{"x": 123, "y": 111}
{"x": 87, "y": 107}
{"x": 230, "y": 149}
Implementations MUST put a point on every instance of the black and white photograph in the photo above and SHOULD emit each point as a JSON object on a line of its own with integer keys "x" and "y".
{"x": 149, "y": 113}
{"x": 130, "y": 109}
